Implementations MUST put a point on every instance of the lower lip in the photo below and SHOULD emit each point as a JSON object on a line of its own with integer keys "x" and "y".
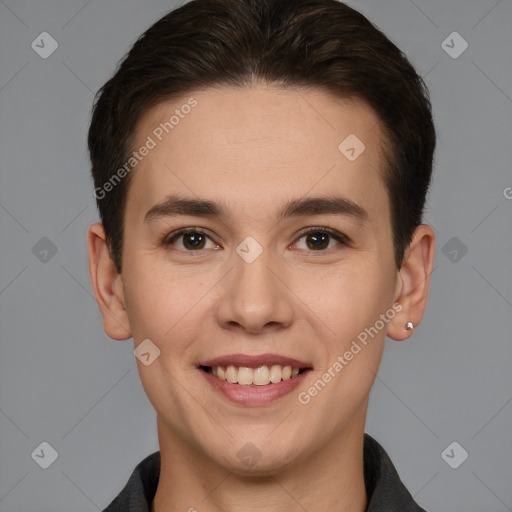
{"x": 254, "y": 395}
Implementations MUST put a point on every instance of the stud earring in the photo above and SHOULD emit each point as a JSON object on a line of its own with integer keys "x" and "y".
{"x": 409, "y": 326}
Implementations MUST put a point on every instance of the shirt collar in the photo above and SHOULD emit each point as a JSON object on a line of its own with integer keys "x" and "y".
{"x": 385, "y": 490}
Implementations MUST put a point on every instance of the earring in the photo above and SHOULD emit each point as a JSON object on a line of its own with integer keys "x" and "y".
{"x": 409, "y": 326}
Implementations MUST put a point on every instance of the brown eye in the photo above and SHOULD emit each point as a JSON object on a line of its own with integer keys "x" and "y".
{"x": 191, "y": 240}
{"x": 317, "y": 240}
{"x": 320, "y": 239}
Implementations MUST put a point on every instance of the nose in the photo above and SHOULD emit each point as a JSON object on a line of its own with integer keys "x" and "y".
{"x": 253, "y": 299}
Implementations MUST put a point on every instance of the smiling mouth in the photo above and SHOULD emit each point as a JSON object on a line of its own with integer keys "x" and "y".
{"x": 260, "y": 376}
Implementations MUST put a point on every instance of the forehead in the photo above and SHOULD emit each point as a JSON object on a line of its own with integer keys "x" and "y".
{"x": 262, "y": 142}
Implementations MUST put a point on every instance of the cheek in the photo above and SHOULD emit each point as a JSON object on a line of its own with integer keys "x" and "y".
{"x": 160, "y": 310}
{"x": 346, "y": 298}
{"x": 167, "y": 305}
{"x": 349, "y": 304}
{"x": 155, "y": 305}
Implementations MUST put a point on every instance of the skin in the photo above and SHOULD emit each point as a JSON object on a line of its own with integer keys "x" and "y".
{"x": 254, "y": 149}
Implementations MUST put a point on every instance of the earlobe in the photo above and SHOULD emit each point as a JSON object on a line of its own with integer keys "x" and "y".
{"x": 413, "y": 282}
{"x": 107, "y": 285}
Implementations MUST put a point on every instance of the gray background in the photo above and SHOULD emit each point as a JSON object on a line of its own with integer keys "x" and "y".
{"x": 64, "y": 382}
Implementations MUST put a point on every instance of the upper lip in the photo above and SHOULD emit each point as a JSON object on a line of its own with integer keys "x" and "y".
{"x": 255, "y": 361}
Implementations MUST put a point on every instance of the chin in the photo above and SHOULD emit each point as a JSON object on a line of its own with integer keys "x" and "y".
{"x": 256, "y": 461}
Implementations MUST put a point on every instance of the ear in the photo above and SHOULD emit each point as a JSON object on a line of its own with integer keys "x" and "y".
{"x": 413, "y": 282}
{"x": 107, "y": 285}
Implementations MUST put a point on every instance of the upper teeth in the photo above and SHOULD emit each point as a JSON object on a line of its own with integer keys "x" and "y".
{"x": 260, "y": 376}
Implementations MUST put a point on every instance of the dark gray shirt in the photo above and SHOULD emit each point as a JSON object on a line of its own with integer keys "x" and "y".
{"x": 385, "y": 490}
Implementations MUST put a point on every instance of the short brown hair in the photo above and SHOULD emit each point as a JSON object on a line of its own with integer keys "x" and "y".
{"x": 321, "y": 44}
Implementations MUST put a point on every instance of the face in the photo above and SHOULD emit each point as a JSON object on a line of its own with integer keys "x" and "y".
{"x": 287, "y": 254}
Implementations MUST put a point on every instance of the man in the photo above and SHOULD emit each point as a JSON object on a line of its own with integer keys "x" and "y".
{"x": 261, "y": 168}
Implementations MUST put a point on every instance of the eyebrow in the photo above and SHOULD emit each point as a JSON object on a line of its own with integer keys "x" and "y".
{"x": 175, "y": 205}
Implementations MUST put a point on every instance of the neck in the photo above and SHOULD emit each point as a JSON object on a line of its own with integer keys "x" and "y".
{"x": 331, "y": 479}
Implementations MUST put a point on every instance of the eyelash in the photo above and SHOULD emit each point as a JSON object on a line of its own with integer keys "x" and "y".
{"x": 339, "y": 237}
